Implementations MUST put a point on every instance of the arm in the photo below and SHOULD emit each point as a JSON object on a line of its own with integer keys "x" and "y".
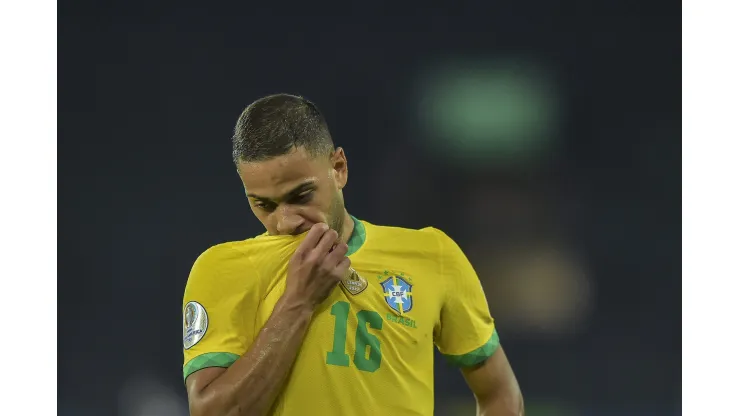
{"x": 253, "y": 382}
{"x": 495, "y": 387}
{"x": 468, "y": 338}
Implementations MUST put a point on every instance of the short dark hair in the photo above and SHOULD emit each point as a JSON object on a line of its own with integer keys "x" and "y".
{"x": 276, "y": 124}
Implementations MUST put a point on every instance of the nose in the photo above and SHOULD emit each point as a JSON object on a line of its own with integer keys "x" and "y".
{"x": 290, "y": 222}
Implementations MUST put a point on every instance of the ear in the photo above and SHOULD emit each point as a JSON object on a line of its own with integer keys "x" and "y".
{"x": 339, "y": 167}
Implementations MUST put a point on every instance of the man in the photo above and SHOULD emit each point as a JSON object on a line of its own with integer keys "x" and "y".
{"x": 281, "y": 324}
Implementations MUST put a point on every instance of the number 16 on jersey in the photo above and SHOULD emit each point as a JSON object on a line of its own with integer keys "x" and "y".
{"x": 363, "y": 360}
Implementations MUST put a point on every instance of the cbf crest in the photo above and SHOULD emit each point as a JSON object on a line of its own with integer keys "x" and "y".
{"x": 397, "y": 294}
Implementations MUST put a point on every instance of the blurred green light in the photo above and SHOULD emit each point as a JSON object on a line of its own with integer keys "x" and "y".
{"x": 487, "y": 112}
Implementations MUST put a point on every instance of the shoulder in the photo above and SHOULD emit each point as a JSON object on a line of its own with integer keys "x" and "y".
{"x": 220, "y": 255}
{"x": 240, "y": 262}
{"x": 427, "y": 239}
{"x": 253, "y": 249}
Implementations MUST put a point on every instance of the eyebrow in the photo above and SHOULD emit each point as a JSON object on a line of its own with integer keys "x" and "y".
{"x": 311, "y": 183}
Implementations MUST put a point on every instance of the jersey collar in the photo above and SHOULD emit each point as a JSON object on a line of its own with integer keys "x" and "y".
{"x": 357, "y": 239}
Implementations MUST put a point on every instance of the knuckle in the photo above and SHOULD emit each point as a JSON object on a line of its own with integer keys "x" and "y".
{"x": 325, "y": 268}
{"x": 316, "y": 232}
{"x": 312, "y": 259}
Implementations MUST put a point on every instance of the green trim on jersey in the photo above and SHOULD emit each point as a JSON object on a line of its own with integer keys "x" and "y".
{"x": 357, "y": 239}
{"x": 476, "y": 356}
{"x": 211, "y": 359}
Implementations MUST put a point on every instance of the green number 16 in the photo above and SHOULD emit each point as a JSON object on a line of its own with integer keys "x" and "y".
{"x": 363, "y": 339}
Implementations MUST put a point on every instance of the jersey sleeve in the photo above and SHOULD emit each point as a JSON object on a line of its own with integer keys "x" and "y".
{"x": 218, "y": 311}
{"x": 466, "y": 334}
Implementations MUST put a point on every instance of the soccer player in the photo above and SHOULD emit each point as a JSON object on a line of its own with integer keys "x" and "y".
{"x": 325, "y": 314}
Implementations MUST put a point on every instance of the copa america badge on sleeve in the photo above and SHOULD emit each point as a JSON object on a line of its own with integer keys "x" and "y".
{"x": 194, "y": 324}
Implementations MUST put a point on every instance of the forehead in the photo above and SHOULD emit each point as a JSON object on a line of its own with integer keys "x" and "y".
{"x": 280, "y": 174}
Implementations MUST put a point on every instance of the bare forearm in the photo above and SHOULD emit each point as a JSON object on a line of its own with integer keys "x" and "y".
{"x": 251, "y": 384}
{"x": 503, "y": 405}
{"x": 495, "y": 387}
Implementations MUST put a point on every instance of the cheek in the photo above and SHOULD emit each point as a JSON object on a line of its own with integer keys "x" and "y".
{"x": 317, "y": 210}
{"x": 264, "y": 217}
{"x": 325, "y": 199}
{"x": 313, "y": 214}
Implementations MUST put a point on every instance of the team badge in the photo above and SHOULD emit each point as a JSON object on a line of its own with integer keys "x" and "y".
{"x": 194, "y": 324}
{"x": 354, "y": 283}
{"x": 397, "y": 294}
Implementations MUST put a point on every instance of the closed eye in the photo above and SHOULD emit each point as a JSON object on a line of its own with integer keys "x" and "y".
{"x": 265, "y": 205}
{"x": 294, "y": 198}
{"x": 302, "y": 198}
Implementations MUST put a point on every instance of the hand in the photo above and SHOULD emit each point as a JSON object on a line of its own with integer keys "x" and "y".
{"x": 317, "y": 266}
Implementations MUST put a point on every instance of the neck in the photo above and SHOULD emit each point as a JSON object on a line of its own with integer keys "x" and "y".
{"x": 348, "y": 226}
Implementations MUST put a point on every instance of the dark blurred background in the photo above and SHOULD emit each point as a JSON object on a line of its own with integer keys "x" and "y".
{"x": 543, "y": 136}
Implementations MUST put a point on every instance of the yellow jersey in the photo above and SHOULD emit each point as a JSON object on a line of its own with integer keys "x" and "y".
{"x": 369, "y": 347}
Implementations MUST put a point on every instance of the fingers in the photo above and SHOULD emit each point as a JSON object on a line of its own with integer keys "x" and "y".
{"x": 316, "y": 232}
{"x": 325, "y": 244}
{"x": 342, "y": 267}
{"x": 321, "y": 250}
{"x": 335, "y": 266}
{"x": 336, "y": 255}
